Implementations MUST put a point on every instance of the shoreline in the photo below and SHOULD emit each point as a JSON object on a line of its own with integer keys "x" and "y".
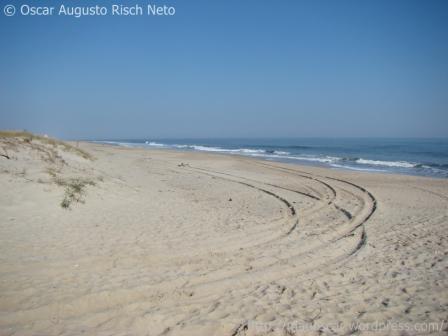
{"x": 284, "y": 162}
{"x": 372, "y": 155}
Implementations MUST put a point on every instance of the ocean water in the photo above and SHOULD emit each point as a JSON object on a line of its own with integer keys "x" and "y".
{"x": 426, "y": 157}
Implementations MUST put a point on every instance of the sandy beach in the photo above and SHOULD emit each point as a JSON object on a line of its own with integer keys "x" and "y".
{"x": 108, "y": 240}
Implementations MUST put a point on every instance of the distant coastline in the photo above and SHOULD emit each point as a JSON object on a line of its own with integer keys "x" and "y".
{"x": 420, "y": 157}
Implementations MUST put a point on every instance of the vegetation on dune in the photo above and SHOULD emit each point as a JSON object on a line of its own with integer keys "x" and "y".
{"x": 28, "y": 137}
{"x": 49, "y": 151}
{"x": 74, "y": 190}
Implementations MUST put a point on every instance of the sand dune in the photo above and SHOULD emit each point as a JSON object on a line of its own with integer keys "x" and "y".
{"x": 139, "y": 242}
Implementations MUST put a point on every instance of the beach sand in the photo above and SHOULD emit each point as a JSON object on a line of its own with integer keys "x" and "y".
{"x": 152, "y": 242}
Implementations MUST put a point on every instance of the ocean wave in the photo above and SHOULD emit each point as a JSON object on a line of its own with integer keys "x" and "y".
{"x": 438, "y": 169}
{"x": 442, "y": 166}
{"x": 203, "y": 148}
{"x": 357, "y": 168}
{"x": 400, "y": 164}
{"x": 327, "y": 159}
{"x": 180, "y": 146}
{"x": 155, "y": 144}
{"x": 211, "y": 149}
{"x": 251, "y": 151}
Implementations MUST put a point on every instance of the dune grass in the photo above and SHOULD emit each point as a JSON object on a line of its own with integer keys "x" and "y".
{"x": 74, "y": 190}
{"x": 30, "y": 137}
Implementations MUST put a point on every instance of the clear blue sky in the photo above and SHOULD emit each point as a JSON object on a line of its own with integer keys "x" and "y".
{"x": 235, "y": 68}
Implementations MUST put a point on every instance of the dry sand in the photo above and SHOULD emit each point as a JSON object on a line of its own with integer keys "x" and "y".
{"x": 154, "y": 242}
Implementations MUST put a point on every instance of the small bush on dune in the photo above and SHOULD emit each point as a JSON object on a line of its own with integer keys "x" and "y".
{"x": 74, "y": 190}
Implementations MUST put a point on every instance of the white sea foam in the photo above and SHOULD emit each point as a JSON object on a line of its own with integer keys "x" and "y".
{"x": 210, "y": 149}
{"x": 251, "y": 151}
{"x": 401, "y": 164}
{"x": 327, "y": 159}
{"x": 155, "y": 144}
{"x": 312, "y": 159}
{"x": 224, "y": 150}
